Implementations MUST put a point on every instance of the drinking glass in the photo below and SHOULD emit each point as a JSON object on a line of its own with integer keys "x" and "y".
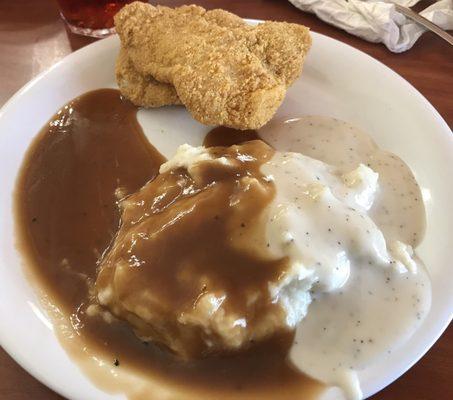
{"x": 91, "y": 17}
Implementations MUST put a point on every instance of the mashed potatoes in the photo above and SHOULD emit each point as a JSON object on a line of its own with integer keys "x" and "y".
{"x": 229, "y": 245}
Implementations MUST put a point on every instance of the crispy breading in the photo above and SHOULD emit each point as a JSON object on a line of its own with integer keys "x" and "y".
{"x": 147, "y": 91}
{"x": 224, "y": 71}
{"x": 140, "y": 89}
{"x": 282, "y": 47}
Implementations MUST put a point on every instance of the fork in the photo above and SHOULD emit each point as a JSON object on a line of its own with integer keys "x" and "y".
{"x": 426, "y": 23}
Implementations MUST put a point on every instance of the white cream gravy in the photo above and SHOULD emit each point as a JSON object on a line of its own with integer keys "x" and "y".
{"x": 377, "y": 308}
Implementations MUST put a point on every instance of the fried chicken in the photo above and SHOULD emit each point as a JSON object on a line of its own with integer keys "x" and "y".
{"x": 224, "y": 71}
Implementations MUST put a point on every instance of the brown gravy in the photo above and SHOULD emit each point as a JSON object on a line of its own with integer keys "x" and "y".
{"x": 224, "y": 136}
{"x": 168, "y": 277}
{"x": 67, "y": 215}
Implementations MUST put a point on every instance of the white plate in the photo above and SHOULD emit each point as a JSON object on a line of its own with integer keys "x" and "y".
{"x": 338, "y": 81}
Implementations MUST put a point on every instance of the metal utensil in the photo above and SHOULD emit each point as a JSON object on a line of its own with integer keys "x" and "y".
{"x": 426, "y": 23}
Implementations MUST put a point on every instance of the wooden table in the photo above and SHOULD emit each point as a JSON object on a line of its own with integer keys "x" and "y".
{"x": 33, "y": 37}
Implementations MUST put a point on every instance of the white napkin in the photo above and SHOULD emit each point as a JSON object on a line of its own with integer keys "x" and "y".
{"x": 378, "y": 21}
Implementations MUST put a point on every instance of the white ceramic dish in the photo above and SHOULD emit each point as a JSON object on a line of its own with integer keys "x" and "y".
{"x": 338, "y": 81}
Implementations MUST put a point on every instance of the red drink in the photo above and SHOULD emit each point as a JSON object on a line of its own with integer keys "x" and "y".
{"x": 91, "y": 17}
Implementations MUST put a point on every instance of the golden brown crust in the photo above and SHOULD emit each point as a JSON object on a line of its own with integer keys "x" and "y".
{"x": 282, "y": 47}
{"x": 142, "y": 90}
{"x": 224, "y": 71}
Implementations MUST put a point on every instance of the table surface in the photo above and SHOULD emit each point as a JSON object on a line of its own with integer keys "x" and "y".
{"x": 33, "y": 37}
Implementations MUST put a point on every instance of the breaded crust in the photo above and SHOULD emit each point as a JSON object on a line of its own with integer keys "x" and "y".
{"x": 224, "y": 71}
{"x": 142, "y": 90}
